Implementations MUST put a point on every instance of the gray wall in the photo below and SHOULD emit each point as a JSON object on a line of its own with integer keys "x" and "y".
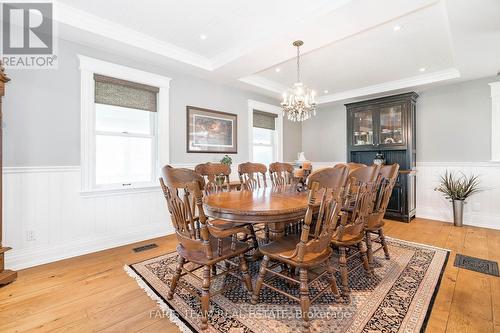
{"x": 453, "y": 125}
{"x": 42, "y": 112}
{"x": 324, "y": 136}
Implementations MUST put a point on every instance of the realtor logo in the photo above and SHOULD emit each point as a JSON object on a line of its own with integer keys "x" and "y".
{"x": 28, "y": 35}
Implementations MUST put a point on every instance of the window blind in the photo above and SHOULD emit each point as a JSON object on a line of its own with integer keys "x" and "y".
{"x": 264, "y": 120}
{"x": 124, "y": 93}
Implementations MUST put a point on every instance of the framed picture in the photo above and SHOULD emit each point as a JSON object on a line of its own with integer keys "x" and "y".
{"x": 210, "y": 131}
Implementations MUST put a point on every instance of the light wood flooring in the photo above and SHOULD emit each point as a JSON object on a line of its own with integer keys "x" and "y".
{"x": 92, "y": 293}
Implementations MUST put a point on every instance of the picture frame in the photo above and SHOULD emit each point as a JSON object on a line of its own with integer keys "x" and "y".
{"x": 210, "y": 131}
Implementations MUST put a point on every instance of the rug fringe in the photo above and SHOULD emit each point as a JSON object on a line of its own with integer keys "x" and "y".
{"x": 172, "y": 316}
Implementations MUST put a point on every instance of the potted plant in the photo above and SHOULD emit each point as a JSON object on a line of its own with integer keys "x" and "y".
{"x": 225, "y": 160}
{"x": 457, "y": 188}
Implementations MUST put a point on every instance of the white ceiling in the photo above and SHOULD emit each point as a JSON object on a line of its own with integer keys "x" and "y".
{"x": 351, "y": 48}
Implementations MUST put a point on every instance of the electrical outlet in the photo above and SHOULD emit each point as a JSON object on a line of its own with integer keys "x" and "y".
{"x": 30, "y": 235}
{"x": 476, "y": 206}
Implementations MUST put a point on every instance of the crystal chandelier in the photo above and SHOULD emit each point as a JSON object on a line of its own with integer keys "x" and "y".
{"x": 298, "y": 102}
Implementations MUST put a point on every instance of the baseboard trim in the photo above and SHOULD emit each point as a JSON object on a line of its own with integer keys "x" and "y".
{"x": 30, "y": 257}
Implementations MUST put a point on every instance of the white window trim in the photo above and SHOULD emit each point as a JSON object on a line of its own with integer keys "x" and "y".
{"x": 256, "y": 105}
{"x": 89, "y": 67}
{"x": 495, "y": 121}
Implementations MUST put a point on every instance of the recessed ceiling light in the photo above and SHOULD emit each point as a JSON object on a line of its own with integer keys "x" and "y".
{"x": 422, "y": 69}
{"x": 325, "y": 91}
{"x": 278, "y": 69}
{"x": 203, "y": 37}
{"x": 396, "y": 28}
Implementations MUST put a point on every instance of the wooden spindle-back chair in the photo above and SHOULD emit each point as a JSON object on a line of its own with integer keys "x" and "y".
{"x": 216, "y": 176}
{"x": 388, "y": 176}
{"x": 183, "y": 192}
{"x": 349, "y": 235}
{"x": 281, "y": 174}
{"x": 310, "y": 249}
{"x": 252, "y": 175}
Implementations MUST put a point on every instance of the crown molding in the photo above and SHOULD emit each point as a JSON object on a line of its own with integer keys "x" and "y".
{"x": 414, "y": 81}
{"x": 261, "y": 82}
{"x": 87, "y": 22}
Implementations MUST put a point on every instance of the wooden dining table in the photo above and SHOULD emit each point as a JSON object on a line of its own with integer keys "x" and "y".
{"x": 273, "y": 206}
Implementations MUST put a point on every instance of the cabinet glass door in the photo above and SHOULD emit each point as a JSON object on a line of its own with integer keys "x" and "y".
{"x": 391, "y": 125}
{"x": 363, "y": 128}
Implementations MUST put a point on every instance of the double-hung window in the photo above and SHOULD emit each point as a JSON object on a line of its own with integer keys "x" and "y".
{"x": 126, "y": 152}
{"x": 265, "y": 141}
{"x": 124, "y": 127}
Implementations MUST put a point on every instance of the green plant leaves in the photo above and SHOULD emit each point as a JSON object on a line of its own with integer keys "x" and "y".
{"x": 458, "y": 187}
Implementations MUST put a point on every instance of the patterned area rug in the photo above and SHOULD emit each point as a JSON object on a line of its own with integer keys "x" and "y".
{"x": 398, "y": 298}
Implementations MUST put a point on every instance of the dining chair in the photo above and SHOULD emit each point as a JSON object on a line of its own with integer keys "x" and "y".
{"x": 308, "y": 252}
{"x": 353, "y": 166}
{"x": 216, "y": 176}
{"x": 281, "y": 174}
{"x": 349, "y": 236}
{"x": 388, "y": 175}
{"x": 182, "y": 191}
{"x": 252, "y": 175}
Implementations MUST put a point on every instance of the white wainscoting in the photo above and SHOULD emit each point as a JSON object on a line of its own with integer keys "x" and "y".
{"x": 482, "y": 210}
{"x": 47, "y": 202}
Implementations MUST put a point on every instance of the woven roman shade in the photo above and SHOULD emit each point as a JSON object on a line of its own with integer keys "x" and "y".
{"x": 124, "y": 93}
{"x": 265, "y": 120}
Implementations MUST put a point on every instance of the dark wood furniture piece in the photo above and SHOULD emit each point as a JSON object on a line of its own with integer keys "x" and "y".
{"x": 196, "y": 244}
{"x": 308, "y": 252}
{"x": 274, "y": 206}
{"x": 216, "y": 176}
{"x": 388, "y": 175}
{"x": 350, "y": 233}
{"x": 6, "y": 275}
{"x": 252, "y": 175}
{"x": 387, "y": 126}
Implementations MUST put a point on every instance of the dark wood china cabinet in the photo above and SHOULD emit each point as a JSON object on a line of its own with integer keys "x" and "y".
{"x": 385, "y": 127}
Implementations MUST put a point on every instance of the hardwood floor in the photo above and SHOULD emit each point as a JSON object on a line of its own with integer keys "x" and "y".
{"x": 93, "y": 293}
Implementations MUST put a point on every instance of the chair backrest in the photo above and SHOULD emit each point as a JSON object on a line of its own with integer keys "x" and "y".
{"x": 366, "y": 174}
{"x": 182, "y": 189}
{"x": 315, "y": 237}
{"x": 354, "y": 166}
{"x": 388, "y": 176}
{"x": 357, "y": 206}
{"x": 216, "y": 176}
{"x": 252, "y": 175}
{"x": 281, "y": 173}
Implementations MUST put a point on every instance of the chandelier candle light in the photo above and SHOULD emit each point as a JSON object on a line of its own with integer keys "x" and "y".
{"x": 298, "y": 102}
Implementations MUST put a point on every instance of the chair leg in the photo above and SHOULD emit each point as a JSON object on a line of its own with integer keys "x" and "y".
{"x": 364, "y": 257}
{"x": 219, "y": 246}
{"x": 266, "y": 234}
{"x": 176, "y": 277}
{"x": 369, "y": 247}
{"x": 205, "y": 297}
{"x": 343, "y": 270}
{"x": 260, "y": 279}
{"x": 244, "y": 272}
{"x": 384, "y": 244}
{"x": 304, "y": 299}
{"x": 253, "y": 236}
{"x": 333, "y": 280}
